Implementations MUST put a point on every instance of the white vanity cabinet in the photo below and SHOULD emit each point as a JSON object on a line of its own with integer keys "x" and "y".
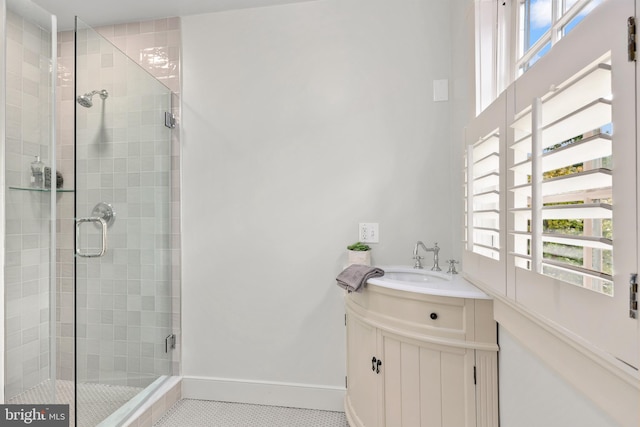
{"x": 420, "y": 360}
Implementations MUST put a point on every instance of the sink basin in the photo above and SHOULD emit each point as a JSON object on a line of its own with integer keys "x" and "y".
{"x": 406, "y": 278}
{"x": 407, "y": 274}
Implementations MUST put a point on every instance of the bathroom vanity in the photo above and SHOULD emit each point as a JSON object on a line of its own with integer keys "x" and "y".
{"x": 421, "y": 351}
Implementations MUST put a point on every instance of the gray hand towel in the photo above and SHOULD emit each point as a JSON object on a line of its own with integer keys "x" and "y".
{"x": 354, "y": 277}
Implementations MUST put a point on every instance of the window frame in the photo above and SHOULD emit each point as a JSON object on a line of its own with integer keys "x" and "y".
{"x": 559, "y": 19}
{"x": 500, "y": 58}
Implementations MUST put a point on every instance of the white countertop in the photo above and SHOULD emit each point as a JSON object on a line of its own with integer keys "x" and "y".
{"x": 406, "y": 278}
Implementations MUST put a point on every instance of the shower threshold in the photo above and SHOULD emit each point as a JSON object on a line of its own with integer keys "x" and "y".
{"x": 97, "y": 402}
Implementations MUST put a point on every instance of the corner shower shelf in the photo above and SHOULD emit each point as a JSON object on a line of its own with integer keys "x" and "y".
{"x": 42, "y": 190}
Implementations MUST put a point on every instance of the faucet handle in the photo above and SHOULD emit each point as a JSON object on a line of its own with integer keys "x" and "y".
{"x": 452, "y": 266}
{"x": 418, "y": 263}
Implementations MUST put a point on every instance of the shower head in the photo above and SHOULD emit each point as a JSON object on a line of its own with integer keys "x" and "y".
{"x": 86, "y": 100}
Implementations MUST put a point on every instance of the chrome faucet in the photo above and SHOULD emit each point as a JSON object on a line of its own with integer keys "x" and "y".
{"x": 435, "y": 249}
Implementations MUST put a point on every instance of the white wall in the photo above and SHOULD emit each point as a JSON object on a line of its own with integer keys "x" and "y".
{"x": 300, "y": 121}
{"x": 532, "y": 395}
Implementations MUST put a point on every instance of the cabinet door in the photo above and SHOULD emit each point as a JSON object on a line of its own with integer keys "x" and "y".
{"x": 362, "y": 380}
{"x": 427, "y": 385}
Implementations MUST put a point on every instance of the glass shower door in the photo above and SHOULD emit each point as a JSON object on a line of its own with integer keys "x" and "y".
{"x": 122, "y": 225}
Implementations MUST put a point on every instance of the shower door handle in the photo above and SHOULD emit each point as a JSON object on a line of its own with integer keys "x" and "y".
{"x": 103, "y": 246}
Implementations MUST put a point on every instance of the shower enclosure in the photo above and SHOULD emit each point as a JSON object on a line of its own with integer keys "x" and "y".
{"x": 87, "y": 302}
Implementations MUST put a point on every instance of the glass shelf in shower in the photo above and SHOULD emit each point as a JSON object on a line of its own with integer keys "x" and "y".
{"x": 43, "y": 190}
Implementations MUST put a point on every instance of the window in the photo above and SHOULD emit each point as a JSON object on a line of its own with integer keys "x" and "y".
{"x": 542, "y": 23}
{"x": 491, "y": 51}
{"x": 511, "y": 36}
{"x": 551, "y": 177}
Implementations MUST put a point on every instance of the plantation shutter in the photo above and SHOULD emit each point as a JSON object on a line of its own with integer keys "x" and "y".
{"x": 572, "y": 185}
{"x": 484, "y": 199}
{"x": 484, "y": 255}
{"x": 562, "y": 185}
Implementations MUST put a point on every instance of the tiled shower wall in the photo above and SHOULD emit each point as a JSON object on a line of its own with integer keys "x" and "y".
{"x": 156, "y": 46}
{"x": 27, "y": 212}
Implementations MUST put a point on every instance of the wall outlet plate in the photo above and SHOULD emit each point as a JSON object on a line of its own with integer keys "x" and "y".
{"x": 368, "y": 232}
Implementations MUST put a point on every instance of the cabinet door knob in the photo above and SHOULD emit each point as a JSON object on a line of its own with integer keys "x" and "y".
{"x": 433, "y": 316}
{"x": 378, "y": 366}
{"x": 373, "y": 364}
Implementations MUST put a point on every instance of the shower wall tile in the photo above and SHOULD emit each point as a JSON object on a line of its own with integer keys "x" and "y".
{"x": 156, "y": 45}
{"x": 27, "y": 213}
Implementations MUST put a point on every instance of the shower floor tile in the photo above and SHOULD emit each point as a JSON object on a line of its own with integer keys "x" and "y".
{"x": 96, "y": 401}
{"x": 204, "y": 413}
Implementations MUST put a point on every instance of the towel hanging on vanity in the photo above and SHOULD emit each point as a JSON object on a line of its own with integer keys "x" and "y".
{"x": 354, "y": 277}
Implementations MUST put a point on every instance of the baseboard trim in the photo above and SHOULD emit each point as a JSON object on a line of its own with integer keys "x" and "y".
{"x": 308, "y": 396}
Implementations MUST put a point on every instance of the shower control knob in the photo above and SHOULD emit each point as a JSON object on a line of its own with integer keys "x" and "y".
{"x": 105, "y": 211}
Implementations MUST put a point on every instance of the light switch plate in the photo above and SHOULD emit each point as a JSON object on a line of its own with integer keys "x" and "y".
{"x": 441, "y": 90}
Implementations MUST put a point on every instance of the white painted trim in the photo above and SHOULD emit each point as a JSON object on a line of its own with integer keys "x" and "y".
{"x": 308, "y": 396}
{"x": 614, "y": 388}
{"x": 3, "y": 67}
